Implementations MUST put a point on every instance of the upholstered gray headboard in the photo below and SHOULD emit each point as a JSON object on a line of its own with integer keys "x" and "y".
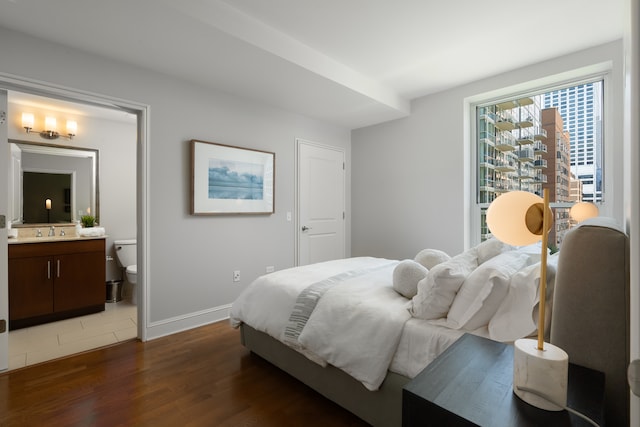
{"x": 590, "y": 319}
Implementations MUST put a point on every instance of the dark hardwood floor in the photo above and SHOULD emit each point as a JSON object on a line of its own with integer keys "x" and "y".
{"x": 201, "y": 377}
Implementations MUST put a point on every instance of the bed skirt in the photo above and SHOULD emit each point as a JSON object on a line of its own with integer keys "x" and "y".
{"x": 381, "y": 408}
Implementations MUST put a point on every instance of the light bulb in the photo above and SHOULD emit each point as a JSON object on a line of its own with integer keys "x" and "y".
{"x": 72, "y": 127}
{"x": 27, "y": 120}
{"x": 50, "y": 123}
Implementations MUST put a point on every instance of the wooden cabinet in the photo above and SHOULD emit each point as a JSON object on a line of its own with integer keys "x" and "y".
{"x": 55, "y": 280}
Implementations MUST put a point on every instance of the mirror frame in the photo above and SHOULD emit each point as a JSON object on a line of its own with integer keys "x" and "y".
{"x": 61, "y": 150}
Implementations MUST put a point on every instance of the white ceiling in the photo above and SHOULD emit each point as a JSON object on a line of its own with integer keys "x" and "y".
{"x": 350, "y": 62}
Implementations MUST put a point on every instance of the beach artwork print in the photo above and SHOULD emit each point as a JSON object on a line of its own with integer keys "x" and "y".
{"x": 235, "y": 180}
{"x": 231, "y": 180}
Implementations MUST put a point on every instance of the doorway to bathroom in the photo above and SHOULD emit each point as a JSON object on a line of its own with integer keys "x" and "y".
{"x": 121, "y": 139}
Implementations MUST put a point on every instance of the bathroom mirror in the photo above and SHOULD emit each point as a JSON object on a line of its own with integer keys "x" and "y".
{"x": 52, "y": 183}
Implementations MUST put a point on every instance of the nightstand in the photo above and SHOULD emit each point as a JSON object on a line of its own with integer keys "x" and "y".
{"x": 471, "y": 384}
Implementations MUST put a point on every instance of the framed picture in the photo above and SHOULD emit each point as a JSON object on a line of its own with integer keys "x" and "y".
{"x": 231, "y": 180}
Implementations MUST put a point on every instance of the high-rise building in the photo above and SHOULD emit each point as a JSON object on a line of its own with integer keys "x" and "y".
{"x": 510, "y": 149}
{"x": 581, "y": 110}
{"x": 558, "y": 170}
{"x": 576, "y": 189}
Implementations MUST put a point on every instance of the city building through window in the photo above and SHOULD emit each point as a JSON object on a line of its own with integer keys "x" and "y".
{"x": 551, "y": 140}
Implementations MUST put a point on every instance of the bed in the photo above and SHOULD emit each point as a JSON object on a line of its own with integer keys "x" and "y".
{"x": 357, "y": 330}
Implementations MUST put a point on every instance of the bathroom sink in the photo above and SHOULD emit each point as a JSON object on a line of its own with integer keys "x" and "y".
{"x": 45, "y": 239}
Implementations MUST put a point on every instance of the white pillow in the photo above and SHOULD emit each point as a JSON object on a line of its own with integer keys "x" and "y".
{"x": 490, "y": 248}
{"x": 482, "y": 292}
{"x": 406, "y": 276}
{"x": 534, "y": 251}
{"x": 431, "y": 257}
{"x": 437, "y": 291}
{"x": 517, "y": 316}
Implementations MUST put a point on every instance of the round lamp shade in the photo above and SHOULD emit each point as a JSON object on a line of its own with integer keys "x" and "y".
{"x": 515, "y": 218}
{"x": 583, "y": 210}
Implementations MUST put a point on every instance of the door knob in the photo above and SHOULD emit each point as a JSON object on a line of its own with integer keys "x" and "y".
{"x": 305, "y": 228}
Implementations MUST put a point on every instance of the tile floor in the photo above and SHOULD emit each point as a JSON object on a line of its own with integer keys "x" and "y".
{"x": 40, "y": 343}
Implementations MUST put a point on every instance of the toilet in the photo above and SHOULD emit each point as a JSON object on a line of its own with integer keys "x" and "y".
{"x": 127, "y": 256}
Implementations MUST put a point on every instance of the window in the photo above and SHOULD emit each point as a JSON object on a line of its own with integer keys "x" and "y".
{"x": 542, "y": 140}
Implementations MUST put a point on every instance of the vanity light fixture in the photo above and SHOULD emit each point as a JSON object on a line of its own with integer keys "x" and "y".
{"x": 50, "y": 125}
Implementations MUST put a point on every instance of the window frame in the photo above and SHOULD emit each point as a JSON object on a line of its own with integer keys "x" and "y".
{"x": 532, "y": 88}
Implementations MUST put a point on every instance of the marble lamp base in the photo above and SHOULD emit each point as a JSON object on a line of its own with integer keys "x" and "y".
{"x": 541, "y": 371}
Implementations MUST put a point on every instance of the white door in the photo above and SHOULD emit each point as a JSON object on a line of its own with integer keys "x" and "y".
{"x": 321, "y": 212}
{"x": 4, "y": 211}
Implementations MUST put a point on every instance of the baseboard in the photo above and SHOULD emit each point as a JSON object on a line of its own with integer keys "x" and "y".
{"x": 188, "y": 321}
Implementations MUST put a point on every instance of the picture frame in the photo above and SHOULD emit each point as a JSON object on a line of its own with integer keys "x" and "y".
{"x": 227, "y": 180}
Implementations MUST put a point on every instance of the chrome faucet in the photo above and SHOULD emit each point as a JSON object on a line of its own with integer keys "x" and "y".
{"x": 52, "y": 231}
{"x": 38, "y": 233}
{"x": 62, "y": 232}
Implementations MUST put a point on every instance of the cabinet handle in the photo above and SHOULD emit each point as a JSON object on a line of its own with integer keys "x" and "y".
{"x": 48, "y": 269}
{"x": 58, "y": 272}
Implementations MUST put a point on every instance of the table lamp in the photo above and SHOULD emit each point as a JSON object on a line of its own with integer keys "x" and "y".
{"x": 583, "y": 210}
{"x": 540, "y": 370}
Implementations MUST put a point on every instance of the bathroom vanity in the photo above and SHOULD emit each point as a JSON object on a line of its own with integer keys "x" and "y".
{"x": 55, "y": 278}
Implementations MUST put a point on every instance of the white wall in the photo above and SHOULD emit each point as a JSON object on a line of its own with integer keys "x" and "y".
{"x": 411, "y": 177}
{"x": 117, "y": 144}
{"x": 191, "y": 259}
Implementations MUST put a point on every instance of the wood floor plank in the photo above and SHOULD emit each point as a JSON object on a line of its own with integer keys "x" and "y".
{"x": 201, "y": 377}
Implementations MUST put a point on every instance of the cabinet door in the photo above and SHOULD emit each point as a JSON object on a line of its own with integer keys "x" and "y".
{"x": 30, "y": 287}
{"x": 79, "y": 280}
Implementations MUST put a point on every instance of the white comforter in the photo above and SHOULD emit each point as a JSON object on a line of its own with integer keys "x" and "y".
{"x": 355, "y": 324}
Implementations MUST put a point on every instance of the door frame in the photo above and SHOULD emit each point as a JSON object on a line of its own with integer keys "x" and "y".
{"x": 11, "y": 82}
{"x": 5, "y": 158}
{"x": 297, "y": 221}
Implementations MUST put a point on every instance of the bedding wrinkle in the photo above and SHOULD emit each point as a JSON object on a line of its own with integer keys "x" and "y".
{"x": 364, "y": 315}
{"x": 357, "y": 326}
{"x": 422, "y": 341}
{"x": 267, "y": 302}
{"x": 308, "y": 299}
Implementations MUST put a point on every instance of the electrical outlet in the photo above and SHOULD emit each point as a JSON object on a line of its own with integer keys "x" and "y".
{"x": 236, "y": 276}
{"x": 271, "y": 269}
